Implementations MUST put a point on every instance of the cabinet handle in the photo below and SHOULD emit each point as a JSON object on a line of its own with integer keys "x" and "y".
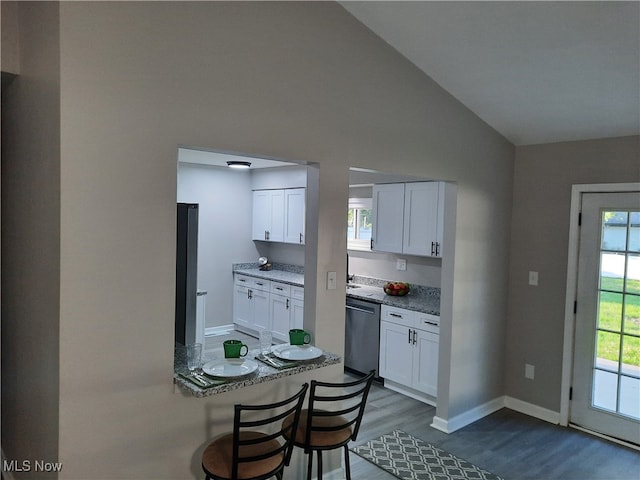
{"x": 431, "y": 323}
{"x": 242, "y": 280}
{"x": 409, "y": 336}
{"x": 371, "y": 243}
{"x": 433, "y": 248}
{"x": 249, "y": 293}
{"x": 437, "y": 249}
{"x": 301, "y": 238}
{"x": 279, "y": 288}
{"x": 415, "y": 337}
{"x": 397, "y": 315}
{"x": 287, "y": 304}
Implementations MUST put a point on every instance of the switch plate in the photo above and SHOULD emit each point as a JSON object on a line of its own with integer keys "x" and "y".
{"x": 533, "y": 278}
{"x": 332, "y": 280}
{"x": 529, "y": 371}
{"x": 401, "y": 264}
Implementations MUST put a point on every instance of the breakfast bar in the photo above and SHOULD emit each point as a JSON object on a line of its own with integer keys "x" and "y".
{"x": 202, "y": 385}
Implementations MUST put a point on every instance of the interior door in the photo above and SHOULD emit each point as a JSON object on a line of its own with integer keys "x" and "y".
{"x": 606, "y": 372}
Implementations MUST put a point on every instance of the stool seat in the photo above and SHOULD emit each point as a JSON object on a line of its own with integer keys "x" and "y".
{"x": 320, "y": 438}
{"x": 217, "y": 457}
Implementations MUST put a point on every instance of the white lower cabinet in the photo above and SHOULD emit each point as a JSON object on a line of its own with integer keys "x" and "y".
{"x": 409, "y": 343}
{"x": 251, "y": 303}
{"x": 259, "y": 304}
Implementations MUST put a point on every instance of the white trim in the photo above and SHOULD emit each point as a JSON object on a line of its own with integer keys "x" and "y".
{"x": 572, "y": 283}
{"x": 468, "y": 417}
{"x": 220, "y": 330}
{"x": 532, "y": 410}
{"x": 481, "y": 411}
{"x": 605, "y": 437}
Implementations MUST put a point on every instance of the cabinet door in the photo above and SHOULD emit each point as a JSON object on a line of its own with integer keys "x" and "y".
{"x": 280, "y": 312}
{"x": 396, "y": 353}
{"x": 261, "y": 215}
{"x": 388, "y": 208}
{"x": 276, "y": 222}
{"x": 421, "y": 219}
{"x": 297, "y": 313}
{"x": 261, "y": 318}
{"x": 268, "y": 215}
{"x": 242, "y": 306}
{"x": 425, "y": 366}
{"x": 294, "y": 208}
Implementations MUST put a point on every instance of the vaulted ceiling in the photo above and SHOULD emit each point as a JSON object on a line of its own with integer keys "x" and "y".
{"x": 537, "y": 72}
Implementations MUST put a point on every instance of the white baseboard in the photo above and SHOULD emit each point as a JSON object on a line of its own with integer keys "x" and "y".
{"x": 468, "y": 417}
{"x": 532, "y": 410}
{"x": 475, "y": 414}
{"x": 220, "y": 330}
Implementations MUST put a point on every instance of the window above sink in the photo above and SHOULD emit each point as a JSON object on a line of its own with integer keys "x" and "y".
{"x": 359, "y": 224}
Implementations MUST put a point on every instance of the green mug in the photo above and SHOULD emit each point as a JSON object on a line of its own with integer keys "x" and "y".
{"x": 233, "y": 349}
{"x": 298, "y": 336}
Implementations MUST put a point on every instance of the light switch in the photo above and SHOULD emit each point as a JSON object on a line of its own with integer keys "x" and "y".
{"x": 401, "y": 264}
{"x": 529, "y": 371}
{"x": 332, "y": 280}
{"x": 533, "y": 278}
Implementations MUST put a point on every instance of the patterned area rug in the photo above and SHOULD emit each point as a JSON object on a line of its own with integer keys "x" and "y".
{"x": 410, "y": 458}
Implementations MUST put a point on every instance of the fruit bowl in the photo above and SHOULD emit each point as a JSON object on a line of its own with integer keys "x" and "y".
{"x": 396, "y": 289}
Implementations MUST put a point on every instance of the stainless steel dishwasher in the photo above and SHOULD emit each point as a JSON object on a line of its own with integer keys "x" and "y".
{"x": 362, "y": 336}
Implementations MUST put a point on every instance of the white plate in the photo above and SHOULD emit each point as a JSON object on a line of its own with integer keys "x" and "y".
{"x": 229, "y": 368}
{"x": 296, "y": 352}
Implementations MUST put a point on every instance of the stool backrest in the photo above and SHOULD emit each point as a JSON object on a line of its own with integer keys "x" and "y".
{"x": 338, "y": 405}
{"x": 266, "y": 417}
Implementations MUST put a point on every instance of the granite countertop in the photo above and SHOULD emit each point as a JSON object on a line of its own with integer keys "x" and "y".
{"x": 283, "y": 273}
{"x": 420, "y": 299}
{"x": 264, "y": 373}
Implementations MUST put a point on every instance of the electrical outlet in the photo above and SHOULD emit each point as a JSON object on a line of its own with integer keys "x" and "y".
{"x": 401, "y": 264}
{"x": 332, "y": 280}
{"x": 533, "y": 278}
{"x": 529, "y": 371}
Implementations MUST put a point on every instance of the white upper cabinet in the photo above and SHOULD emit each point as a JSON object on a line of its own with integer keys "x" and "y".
{"x": 268, "y": 215}
{"x": 423, "y": 219}
{"x": 279, "y": 215}
{"x": 388, "y": 208}
{"x": 408, "y": 218}
{"x": 295, "y": 208}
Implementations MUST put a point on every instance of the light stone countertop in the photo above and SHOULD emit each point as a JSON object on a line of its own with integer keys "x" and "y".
{"x": 420, "y": 298}
{"x": 264, "y": 373}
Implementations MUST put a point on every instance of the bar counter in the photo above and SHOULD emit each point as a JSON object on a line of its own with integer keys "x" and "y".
{"x": 264, "y": 373}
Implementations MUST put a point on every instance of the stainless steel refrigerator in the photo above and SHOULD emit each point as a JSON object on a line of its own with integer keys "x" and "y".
{"x": 186, "y": 272}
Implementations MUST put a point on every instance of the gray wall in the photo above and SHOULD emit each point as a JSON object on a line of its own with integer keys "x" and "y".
{"x": 290, "y": 80}
{"x": 31, "y": 241}
{"x": 543, "y": 178}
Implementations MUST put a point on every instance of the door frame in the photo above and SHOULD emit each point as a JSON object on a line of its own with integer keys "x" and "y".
{"x": 572, "y": 283}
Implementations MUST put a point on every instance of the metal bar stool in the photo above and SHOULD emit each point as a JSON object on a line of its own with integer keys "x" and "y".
{"x": 247, "y": 454}
{"x": 323, "y": 427}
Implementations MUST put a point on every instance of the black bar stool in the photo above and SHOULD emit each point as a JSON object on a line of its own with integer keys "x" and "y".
{"x": 247, "y": 454}
{"x": 332, "y": 419}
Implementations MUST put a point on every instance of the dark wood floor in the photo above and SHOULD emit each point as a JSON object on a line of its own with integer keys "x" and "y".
{"x": 507, "y": 443}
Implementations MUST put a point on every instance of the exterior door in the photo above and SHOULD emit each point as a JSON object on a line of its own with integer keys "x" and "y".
{"x": 606, "y": 373}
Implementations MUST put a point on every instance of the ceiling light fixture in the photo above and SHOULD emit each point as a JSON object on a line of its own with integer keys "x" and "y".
{"x": 238, "y": 164}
